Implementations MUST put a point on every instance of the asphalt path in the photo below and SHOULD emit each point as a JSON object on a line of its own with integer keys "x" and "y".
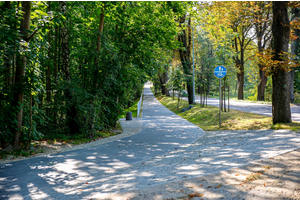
{"x": 257, "y": 108}
{"x": 159, "y": 154}
{"x": 79, "y": 173}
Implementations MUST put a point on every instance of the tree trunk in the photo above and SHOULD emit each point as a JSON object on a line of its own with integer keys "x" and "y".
{"x": 48, "y": 78}
{"x": 7, "y": 57}
{"x": 239, "y": 64}
{"x": 163, "y": 79}
{"x": 185, "y": 57}
{"x": 98, "y": 47}
{"x": 55, "y": 55}
{"x": 65, "y": 60}
{"x": 30, "y": 112}
{"x": 21, "y": 61}
{"x": 262, "y": 84}
{"x": 262, "y": 24}
{"x": 240, "y": 84}
{"x": 100, "y": 30}
{"x": 281, "y": 112}
{"x": 295, "y": 49}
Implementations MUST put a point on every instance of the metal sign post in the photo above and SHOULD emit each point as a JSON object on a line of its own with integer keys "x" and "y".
{"x": 220, "y": 72}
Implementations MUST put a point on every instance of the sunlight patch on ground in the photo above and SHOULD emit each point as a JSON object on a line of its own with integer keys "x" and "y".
{"x": 35, "y": 192}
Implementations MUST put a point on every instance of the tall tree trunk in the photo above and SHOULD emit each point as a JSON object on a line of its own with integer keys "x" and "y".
{"x": 30, "y": 111}
{"x": 295, "y": 50}
{"x": 98, "y": 48}
{"x": 185, "y": 57}
{"x": 239, "y": 64}
{"x": 263, "y": 35}
{"x": 65, "y": 60}
{"x": 240, "y": 78}
{"x": 19, "y": 75}
{"x": 163, "y": 78}
{"x": 7, "y": 57}
{"x": 262, "y": 74}
{"x": 48, "y": 78}
{"x": 55, "y": 54}
{"x": 262, "y": 84}
{"x": 100, "y": 30}
{"x": 281, "y": 112}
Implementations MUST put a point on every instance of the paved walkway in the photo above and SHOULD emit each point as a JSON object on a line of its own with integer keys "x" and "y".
{"x": 167, "y": 149}
{"x": 64, "y": 175}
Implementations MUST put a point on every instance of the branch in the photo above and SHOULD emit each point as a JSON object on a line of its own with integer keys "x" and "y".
{"x": 249, "y": 58}
{"x": 36, "y": 30}
{"x": 248, "y": 42}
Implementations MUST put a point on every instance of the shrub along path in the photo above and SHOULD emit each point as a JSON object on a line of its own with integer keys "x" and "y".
{"x": 167, "y": 149}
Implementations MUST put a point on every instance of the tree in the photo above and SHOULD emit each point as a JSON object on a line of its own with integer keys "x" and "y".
{"x": 295, "y": 47}
{"x": 262, "y": 12}
{"x": 281, "y": 112}
{"x": 163, "y": 78}
{"x": 97, "y": 66}
{"x": 230, "y": 26}
{"x": 20, "y": 73}
{"x": 241, "y": 25}
{"x": 175, "y": 81}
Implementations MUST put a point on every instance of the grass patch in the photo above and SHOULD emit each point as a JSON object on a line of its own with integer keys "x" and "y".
{"x": 253, "y": 177}
{"x": 208, "y": 117}
{"x": 132, "y": 109}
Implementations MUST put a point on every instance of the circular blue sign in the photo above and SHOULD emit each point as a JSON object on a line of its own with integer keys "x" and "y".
{"x": 220, "y": 72}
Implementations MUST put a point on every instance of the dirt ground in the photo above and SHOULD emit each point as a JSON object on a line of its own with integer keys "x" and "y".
{"x": 41, "y": 148}
{"x": 275, "y": 178}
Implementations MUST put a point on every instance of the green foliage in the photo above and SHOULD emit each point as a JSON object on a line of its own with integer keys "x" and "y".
{"x": 132, "y": 109}
{"x": 102, "y": 83}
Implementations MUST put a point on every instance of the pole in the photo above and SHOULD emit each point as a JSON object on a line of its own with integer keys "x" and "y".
{"x": 220, "y": 103}
{"x": 193, "y": 69}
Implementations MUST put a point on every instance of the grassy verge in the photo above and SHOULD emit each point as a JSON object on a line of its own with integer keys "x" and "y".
{"x": 208, "y": 117}
{"x": 132, "y": 109}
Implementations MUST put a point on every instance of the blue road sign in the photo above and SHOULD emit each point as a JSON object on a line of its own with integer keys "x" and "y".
{"x": 220, "y": 72}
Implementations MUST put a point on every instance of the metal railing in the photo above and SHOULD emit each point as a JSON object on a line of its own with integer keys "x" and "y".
{"x": 139, "y": 105}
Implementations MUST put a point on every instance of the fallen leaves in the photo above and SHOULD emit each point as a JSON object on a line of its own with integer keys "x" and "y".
{"x": 195, "y": 195}
{"x": 267, "y": 167}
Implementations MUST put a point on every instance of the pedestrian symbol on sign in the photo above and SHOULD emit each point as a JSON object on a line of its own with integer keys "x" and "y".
{"x": 220, "y": 72}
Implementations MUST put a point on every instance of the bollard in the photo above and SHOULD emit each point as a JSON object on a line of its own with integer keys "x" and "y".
{"x": 128, "y": 116}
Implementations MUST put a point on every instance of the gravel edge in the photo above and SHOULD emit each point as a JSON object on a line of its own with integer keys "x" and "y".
{"x": 130, "y": 127}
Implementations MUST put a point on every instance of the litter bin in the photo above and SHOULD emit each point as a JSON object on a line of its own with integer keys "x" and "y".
{"x": 129, "y": 116}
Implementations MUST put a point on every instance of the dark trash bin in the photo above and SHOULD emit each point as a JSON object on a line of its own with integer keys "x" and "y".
{"x": 129, "y": 116}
